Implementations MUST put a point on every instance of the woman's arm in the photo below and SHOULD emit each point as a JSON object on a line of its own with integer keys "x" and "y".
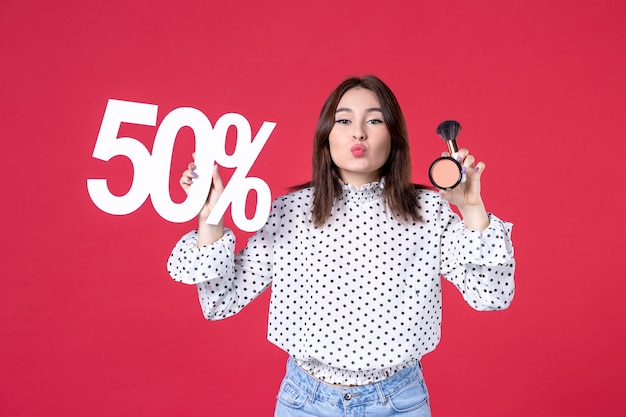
{"x": 205, "y": 257}
{"x": 477, "y": 252}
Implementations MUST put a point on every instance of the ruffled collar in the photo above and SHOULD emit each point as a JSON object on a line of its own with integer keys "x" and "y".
{"x": 367, "y": 192}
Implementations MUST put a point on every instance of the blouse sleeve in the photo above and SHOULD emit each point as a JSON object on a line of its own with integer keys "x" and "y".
{"x": 226, "y": 282}
{"x": 479, "y": 263}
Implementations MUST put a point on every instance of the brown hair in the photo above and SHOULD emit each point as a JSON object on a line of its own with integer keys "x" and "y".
{"x": 399, "y": 193}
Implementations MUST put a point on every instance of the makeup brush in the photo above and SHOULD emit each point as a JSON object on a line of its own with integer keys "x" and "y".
{"x": 448, "y": 131}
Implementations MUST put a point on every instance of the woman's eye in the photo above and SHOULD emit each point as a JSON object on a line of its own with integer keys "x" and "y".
{"x": 375, "y": 121}
{"x": 342, "y": 121}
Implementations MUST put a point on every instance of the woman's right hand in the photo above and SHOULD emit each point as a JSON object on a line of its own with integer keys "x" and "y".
{"x": 207, "y": 233}
{"x": 217, "y": 187}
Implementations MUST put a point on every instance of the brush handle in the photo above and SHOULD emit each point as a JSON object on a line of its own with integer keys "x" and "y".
{"x": 452, "y": 146}
{"x": 449, "y": 130}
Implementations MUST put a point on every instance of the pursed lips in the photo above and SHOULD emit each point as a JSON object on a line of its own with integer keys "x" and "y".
{"x": 358, "y": 150}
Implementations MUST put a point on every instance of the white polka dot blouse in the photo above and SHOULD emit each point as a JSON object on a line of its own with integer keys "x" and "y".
{"x": 359, "y": 298}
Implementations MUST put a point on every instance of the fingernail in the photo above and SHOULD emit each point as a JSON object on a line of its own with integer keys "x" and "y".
{"x": 216, "y": 167}
{"x": 464, "y": 170}
{"x": 193, "y": 174}
{"x": 476, "y": 169}
{"x": 458, "y": 158}
{"x": 192, "y": 166}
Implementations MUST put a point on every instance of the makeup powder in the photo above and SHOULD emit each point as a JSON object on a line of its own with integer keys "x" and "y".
{"x": 445, "y": 173}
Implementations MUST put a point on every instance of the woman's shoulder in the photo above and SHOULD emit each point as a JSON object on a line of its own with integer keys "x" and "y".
{"x": 425, "y": 191}
{"x": 300, "y": 198}
{"x": 430, "y": 201}
{"x": 427, "y": 195}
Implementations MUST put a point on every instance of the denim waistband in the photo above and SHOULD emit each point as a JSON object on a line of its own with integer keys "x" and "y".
{"x": 332, "y": 375}
{"x": 377, "y": 391}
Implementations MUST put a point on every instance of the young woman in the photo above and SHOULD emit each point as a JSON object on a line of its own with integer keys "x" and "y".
{"x": 354, "y": 259}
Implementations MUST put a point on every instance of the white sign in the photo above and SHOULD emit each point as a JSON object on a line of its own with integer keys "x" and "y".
{"x": 152, "y": 171}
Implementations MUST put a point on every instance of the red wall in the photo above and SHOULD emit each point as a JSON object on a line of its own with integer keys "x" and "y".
{"x": 90, "y": 322}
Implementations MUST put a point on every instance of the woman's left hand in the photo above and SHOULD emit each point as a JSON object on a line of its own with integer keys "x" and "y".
{"x": 466, "y": 196}
{"x": 466, "y": 193}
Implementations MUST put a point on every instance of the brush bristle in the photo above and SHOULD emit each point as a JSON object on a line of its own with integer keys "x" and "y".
{"x": 449, "y": 130}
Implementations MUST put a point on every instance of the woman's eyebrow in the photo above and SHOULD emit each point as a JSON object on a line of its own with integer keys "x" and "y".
{"x": 372, "y": 109}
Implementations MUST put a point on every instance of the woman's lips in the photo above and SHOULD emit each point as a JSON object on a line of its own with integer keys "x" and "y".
{"x": 358, "y": 150}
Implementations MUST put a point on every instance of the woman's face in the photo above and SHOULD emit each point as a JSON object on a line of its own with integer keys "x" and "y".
{"x": 359, "y": 140}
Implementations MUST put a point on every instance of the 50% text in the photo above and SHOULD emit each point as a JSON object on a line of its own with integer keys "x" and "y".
{"x": 152, "y": 170}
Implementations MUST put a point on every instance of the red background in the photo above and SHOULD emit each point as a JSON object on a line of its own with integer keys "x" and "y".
{"x": 91, "y": 323}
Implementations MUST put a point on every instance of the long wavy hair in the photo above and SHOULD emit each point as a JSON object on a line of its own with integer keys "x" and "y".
{"x": 399, "y": 193}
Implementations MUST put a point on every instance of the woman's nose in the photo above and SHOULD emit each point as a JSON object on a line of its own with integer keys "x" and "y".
{"x": 358, "y": 133}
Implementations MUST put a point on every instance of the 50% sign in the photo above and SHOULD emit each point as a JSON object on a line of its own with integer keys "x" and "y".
{"x": 152, "y": 170}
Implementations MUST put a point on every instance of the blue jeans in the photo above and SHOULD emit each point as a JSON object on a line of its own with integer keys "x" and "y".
{"x": 402, "y": 394}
